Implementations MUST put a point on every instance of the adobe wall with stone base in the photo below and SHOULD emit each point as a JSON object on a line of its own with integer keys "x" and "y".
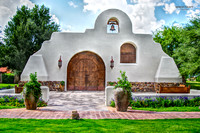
{"x": 136, "y": 86}
{"x": 146, "y": 86}
{"x": 53, "y": 85}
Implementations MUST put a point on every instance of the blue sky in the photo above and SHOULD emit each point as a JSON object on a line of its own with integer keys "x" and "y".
{"x": 78, "y": 15}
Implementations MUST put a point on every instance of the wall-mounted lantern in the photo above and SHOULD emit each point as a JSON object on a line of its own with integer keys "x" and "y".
{"x": 111, "y": 63}
{"x": 60, "y": 62}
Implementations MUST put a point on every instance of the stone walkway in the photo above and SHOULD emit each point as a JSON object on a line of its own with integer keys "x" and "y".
{"x": 77, "y": 100}
{"x": 111, "y": 114}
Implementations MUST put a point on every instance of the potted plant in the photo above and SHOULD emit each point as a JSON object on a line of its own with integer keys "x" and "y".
{"x": 122, "y": 94}
{"x": 32, "y": 92}
{"x": 62, "y": 85}
{"x": 111, "y": 83}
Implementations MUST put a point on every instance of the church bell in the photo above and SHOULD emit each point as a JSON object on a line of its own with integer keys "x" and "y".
{"x": 112, "y": 27}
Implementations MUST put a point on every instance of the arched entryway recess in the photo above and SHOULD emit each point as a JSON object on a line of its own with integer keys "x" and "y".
{"x": 86, "y": 71}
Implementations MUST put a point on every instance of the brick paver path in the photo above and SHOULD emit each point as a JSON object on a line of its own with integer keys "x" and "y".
{"x": 111, "y": 114}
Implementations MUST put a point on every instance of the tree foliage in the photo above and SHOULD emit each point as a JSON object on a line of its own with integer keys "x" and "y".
{"x": 188, "y": 53}
{"x": 24, "y": 35}
{"x": 183, "y": 44}
{"x": 169, "y": 38}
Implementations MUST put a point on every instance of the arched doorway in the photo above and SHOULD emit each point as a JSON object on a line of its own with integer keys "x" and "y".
{"x": 86, "y": 71}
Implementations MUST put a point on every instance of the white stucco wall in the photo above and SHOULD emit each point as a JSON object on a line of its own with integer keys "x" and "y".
{"x": 97, "y": 40}
{"x": 167, "y": 70}
{"x": 35, "y": 64}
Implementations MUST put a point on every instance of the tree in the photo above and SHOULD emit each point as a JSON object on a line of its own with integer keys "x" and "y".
{"x": 24, "y": 35}
{"x": 1, "y": 53}
{"x": 169, "y": 38}
{"x": 188, "y": 53}
{"x": 183, "y": 44}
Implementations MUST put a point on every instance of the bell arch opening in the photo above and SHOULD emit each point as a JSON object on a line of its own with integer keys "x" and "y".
{"x": 113, "y": 25}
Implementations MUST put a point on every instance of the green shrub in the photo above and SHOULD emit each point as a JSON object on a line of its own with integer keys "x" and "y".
{"x": 111, "y": 83}
{"x": 8, "y": 87}
{"x": 8, "y": 78}
{"x": 198, "y": 79}
{"x": 62, "y": 83}
{"x": 13, "y": 101}
{"x": 41, "y": 103}
{"x": 164, "y": 102}
{"x": 112, "y": 103}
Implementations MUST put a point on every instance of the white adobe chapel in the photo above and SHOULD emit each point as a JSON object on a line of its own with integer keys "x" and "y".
{"x": 87, "y": 58}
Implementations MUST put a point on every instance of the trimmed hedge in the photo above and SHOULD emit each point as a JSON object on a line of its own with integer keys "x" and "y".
{"x": 8, "y": 78}
{"x": 165, "y": 102}
{"x": 193, "y": 85}
{"x": 198, "y": 79}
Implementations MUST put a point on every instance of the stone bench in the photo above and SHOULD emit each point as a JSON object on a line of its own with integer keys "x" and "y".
{"x": 174, "y": 89}
{"x": 45, "y": 93}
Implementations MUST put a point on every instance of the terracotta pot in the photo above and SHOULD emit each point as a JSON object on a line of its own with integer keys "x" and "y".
{"x": 30, "y": 102}
{"x": 121, "y": 100}
{"x": 18, "y": 89}
{"x": 62, "y": 87}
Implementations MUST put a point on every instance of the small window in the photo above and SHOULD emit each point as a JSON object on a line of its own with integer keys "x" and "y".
{"x": 112, "y": 26}
{"x": 127, "y": 53}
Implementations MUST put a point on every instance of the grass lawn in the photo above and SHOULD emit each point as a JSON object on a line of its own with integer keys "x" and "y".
{"x": 8, "y": 107}
{"x": 171, "y": 109}
{"x": 2, "y": 85}
{"x": 105, "y": 125}
{"x": 193, "y": 84}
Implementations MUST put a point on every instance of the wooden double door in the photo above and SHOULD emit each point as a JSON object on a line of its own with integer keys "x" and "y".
{"x": 86, "y": 71}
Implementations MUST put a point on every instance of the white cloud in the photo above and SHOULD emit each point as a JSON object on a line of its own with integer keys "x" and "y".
{"x": 67, "y": 28}
{"x": 55, "y": 19}
{"x": 8, "y": 8}
{"x": 169, "y": 8}
{"x": 141, "y": 12}
{"x": 160, "y": 4}
{"x": 72, "y": 4}
{"x": 178, "y": 11}
{"x": 190, "y": 13}
{"x": 176, "y": 24}
{"x": 1, "y": 34}
{"x": 27, "y": 3}
{"x": 134, "y": 1}
{"x": 197, "y": 1}
{"x": 188, "y": 2}
{"x": 157, "y": 25}
{"x": 101, "y": 5}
